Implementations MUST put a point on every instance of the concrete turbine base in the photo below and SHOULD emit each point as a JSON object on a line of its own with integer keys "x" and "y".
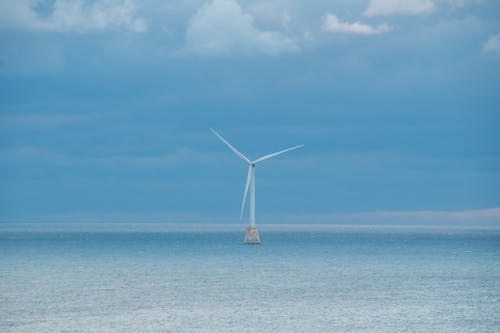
{"x": 252, "y": 236}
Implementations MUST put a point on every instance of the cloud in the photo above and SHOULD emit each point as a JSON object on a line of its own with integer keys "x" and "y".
{"x": 374, "y": 221}
{"x": 464, "y": 218}
{"x": 41, "y": 121}
{"x": 221, "y": 27}
{"x": 492, "y": 45}
{"x": 176, "y": 159}
{"x": 403, "y": 7}
{"x": 70, "y": 15}
{"x": 270, "y": 13}
{"x": 456, "y": 4}
{"x": 333, "y": 24}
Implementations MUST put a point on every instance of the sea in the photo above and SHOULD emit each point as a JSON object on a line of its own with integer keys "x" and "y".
{"x": 302, "y": 278}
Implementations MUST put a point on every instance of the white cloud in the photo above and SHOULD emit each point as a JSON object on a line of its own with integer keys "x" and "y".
{"x": 404, "y": 7}
{"x": 464, "y": 218}
{"x": 71, "y": 15}
{"x": 492, "y": 45}
{"x": 333, "y": 24}
{"x": 221, "y": 27}
{"x": 433, "y": 221}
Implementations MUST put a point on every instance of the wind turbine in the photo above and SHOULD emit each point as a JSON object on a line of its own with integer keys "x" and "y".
{"x": 252, "y": 235}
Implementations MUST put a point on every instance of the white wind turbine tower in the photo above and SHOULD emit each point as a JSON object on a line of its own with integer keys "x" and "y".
{"x": 252, "y": 235}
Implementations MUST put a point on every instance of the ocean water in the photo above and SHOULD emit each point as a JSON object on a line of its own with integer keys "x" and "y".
{"x": 298, "y": 280}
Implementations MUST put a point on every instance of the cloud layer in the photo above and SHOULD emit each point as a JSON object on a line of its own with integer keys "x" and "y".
{"x": 404, "y": 7}
{"x": 378, "y": 220}
{"x": 221, "y": 27}
{"x": 492, "y": 45}
{"x": 71, "y": 16}
{"x": 333, "y": 24}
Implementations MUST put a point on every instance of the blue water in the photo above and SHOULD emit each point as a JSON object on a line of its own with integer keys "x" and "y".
{"x": 335, "y": 280}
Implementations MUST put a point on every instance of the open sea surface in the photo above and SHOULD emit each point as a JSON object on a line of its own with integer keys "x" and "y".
{"x": 301, "y": 279}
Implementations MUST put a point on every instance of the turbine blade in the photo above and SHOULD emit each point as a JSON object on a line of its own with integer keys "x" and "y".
{"x": 240, "y": 155}
{"x": 249, "y": 177}
{"x": 275, "y": 154}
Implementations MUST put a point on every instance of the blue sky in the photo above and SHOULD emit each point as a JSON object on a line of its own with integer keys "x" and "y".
{"x": 105, "y": 107}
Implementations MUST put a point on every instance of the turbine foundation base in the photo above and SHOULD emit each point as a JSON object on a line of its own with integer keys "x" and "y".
{"x": 252, "y": 236}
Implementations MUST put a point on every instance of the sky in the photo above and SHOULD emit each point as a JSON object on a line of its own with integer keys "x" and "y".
{"x": 106, "y": 105}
